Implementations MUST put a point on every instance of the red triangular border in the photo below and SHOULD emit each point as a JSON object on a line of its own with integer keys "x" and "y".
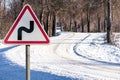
{"x": 26, "y": 7}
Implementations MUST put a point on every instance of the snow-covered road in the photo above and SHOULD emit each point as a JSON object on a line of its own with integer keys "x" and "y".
{"x": 70, "y": 55}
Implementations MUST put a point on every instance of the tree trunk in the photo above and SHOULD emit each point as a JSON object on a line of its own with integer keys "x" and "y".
{"x": 104, "y": 25}
{"x": 88, "y": 23}
{"x": 41, "y": 11}
{"x": 109, "y": 21}
{"x": 54, "y": 25}
{"x": 40, "y": 15}
{"x": 82, "y": 24}
{"x": 88, "y": 19}
{"x": 70, "y": 24}
{"x": 105, "y": 19}
{"x": 0, "y": 17}
{"x": 98, "y": 17}
{"x": 75, "y": 26}
{"x": 46, "y": 22}
{"x": 22, "y": 3}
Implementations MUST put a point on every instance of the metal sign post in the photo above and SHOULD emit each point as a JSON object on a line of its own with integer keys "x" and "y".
{"x": 27, "y": 62}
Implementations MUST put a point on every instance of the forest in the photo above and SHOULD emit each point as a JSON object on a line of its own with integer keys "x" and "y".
{"x": 71, "y": 15}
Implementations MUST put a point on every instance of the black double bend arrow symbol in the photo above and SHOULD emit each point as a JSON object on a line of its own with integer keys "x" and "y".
{"x": 22, "y": 28}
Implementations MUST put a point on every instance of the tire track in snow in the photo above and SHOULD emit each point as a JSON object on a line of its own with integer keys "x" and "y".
{"x": 70, "y": 61}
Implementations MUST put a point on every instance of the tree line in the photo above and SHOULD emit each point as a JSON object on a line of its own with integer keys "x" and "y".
{"x": 71, "y": 15}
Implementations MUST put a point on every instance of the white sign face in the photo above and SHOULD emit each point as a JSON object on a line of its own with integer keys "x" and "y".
{"x": 26, "y": 29}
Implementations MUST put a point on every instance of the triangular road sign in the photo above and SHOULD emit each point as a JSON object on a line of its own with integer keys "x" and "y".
{"x": 26, "y": 29}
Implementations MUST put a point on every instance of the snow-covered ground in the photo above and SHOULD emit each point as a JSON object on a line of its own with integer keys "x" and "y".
{"x": 69, "y": 56}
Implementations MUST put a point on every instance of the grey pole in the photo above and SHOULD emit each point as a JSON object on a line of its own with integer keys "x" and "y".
{"x": 27, "y": 62}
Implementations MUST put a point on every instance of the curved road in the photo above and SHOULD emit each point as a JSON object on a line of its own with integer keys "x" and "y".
{"x": 59, "y": 58}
